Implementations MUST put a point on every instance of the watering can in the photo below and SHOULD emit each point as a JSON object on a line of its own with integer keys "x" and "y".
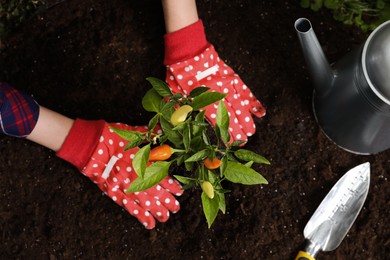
{"x": 351, "y": 99}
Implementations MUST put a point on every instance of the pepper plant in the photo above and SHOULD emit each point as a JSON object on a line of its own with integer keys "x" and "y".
{"x": 178, "y": 134}
{"x": 365, "y": 14}
{"x": 14, "y": 12}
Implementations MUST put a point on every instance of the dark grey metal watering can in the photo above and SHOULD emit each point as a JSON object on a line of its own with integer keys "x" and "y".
{"x": 351, "y": 99}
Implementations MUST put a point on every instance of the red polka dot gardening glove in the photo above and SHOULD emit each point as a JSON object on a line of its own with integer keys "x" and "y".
{"x": 191, "y": 62}
{"x": 99, "y": 154}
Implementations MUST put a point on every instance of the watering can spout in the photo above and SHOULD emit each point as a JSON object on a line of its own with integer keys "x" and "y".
{"x": 320, "y": 70}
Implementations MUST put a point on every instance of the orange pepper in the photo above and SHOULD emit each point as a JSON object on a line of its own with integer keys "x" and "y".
{"x": 160, "y": 153}
{"x": 212, "y": 164}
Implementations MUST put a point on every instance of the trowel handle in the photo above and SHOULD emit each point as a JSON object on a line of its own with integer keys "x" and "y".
{"x": 302, "y": 255}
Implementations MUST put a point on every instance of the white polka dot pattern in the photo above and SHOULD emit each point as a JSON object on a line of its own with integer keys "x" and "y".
{"x": 240, "y": 102}
{"x": 147, "y": 206}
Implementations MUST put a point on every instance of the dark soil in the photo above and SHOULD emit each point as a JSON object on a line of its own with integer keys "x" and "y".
{"x": 89, "y": 59}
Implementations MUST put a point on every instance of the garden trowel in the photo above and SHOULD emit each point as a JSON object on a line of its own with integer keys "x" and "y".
{"x": 336, "y": 213}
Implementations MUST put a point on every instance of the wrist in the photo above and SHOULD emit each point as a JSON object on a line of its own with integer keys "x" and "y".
{"x": 179, "y": 14}
{"x": 51, "y": 129}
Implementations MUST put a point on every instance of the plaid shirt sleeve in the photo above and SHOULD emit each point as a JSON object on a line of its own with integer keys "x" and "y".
{"x": 18, "y": 112}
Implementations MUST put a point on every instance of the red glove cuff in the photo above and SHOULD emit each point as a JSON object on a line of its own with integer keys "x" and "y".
{"x": 185, "y": 43}
{"x": 81, "y": 142}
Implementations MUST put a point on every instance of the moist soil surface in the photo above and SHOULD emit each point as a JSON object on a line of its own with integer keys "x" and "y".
{"x": 89, "y": 59}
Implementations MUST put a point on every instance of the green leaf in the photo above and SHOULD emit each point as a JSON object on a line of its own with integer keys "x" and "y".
{"x": 154, "y": 174}
{"x": 222, "y": 122}
{"x": 316, "y": 5}
{"x": 249, "y": 164}
{"x": 176, "y": 96}
{"x": 140, "y": 160}
{"x": 173, "y": 136}
{"x": 163, "y": 138}
{"x": 132, "y": 144}
{"x": 247, "y": 156}
{"x": 222, "y": 203}
{"x": 197, "y": 143}
{"x": 211, "y": 154}
{"x": 238, "y": 142}
{"x": 189, "y": 166}
{"x": 184, "y": 180}
{"x": 224, "y": 164}
{"x": 199, "y": 173}
{"x": 180, "y": 159}
{"x": 206, "y": 99}
{"x": 211, "y": 177}
{"x": 331, "y": 4}
{"x": 198, "y": 156}
{"x": 380, "y": 4}
{"x": 151, "y": 101}
{"x": 135, "y": 138}
{"x": 197, "y": 91}
{"x": 153, "y": 122}
{"x": 181, "y": 126}
{"x": 187, "y": 137}
{"x": 167, "y": 109}
{"x": 195, "y": 123}
{"x": 210, "y": 208}
{"x": 239, "y": 173}
{"x": 205, "y": 138}
{"x": 128, "y": 135}
{"x": 199, "y": 124}
{"x": 231, "y": 157}
{"x": 187, "y": 186}
{"x": 160, "y": 86}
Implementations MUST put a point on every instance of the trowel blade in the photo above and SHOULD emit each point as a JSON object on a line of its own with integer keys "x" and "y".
{"x": 337, "y": 212}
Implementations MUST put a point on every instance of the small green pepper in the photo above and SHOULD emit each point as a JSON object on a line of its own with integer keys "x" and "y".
{"x": 208, "y": 189}
{"x": 180, "y": 115}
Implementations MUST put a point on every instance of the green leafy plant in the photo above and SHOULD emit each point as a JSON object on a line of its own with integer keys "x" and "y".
{"x": 365, "y": 14}
{"x": 205, "y": 157}
{"x": 14, "y": 12}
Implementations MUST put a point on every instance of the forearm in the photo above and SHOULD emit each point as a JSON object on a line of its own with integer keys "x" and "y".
{"x": 179, "y": 14}
{"x": 51, "y": 129}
